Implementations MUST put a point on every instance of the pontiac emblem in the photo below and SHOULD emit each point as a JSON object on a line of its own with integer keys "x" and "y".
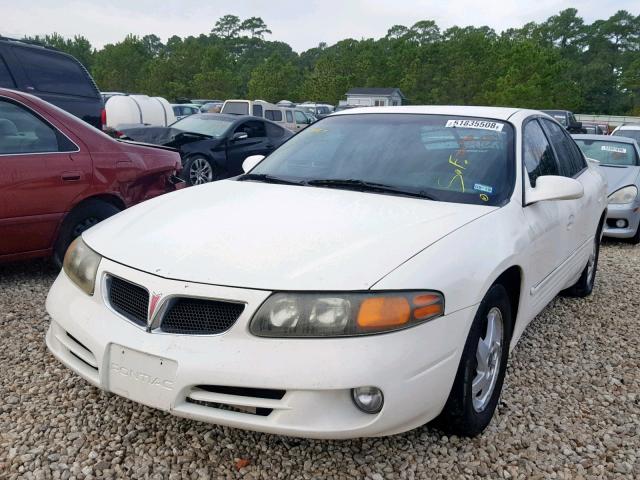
{"x": 153, "y": 304}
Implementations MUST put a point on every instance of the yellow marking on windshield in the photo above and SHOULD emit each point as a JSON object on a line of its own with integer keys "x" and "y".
{"x": 458, "y": 172}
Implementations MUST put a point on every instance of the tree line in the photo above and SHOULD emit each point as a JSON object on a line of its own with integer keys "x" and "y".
{"x": 562, "y": 63}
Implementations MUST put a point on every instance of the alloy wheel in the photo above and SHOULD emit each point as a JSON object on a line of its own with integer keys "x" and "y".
{"x": 200, "y": 172}
{"x": 488, "y": 357}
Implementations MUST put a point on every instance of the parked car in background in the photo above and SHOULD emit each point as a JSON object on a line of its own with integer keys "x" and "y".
{"x": 211, "y": 107}
{"x": 181, "y": 110}
{"x": 202, "y": 101}
{"x": 567, "y": 119}
{"x": 269, "y": 111}
{"x": 619, "y": 159}
{"x": 128, "y": 110}
{"x": 212, "y": 145}
{"x": 59, "y": 176}
{"x": 593, "y": 128}
{"x": 319, "y": 110}
{"x": 631, "y": 130}
{"x": 370, "y": 275}
{"x": 54, "y": 76}
{"x": 295, "y": 119}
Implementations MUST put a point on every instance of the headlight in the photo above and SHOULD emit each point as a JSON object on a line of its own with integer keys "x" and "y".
{"x": 343, "y": 314}
{"x": 81, "y": 265}
{"x": 624, "y": 195}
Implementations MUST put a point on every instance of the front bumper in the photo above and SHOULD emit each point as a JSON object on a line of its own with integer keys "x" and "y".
{"x": 414, "y": 368}
{"x": 628, "y": 212}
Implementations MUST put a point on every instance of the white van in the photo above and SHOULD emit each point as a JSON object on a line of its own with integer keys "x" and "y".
{"x": 295, "y": 119}
{"x": 260, "y": 108}
{"x": 125, "y": 109}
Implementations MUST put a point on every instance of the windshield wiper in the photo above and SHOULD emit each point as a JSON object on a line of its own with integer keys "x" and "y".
{"x": 363, "y": 186}
{"x": 263, "y": 177}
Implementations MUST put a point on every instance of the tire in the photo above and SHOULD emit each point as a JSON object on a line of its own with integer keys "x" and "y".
{"x": 584, "y": 286}
{"x": 198, "y": 170}
{"x": 81, "y": 218}
{"x": 470, "y": 409}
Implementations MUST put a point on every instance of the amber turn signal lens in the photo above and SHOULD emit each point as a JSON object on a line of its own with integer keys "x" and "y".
{"x": 427, "y": 305}
{"x": 383, "y": 312}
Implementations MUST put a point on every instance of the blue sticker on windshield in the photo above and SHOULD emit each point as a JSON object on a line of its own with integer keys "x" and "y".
{"x": 483, "y": 188}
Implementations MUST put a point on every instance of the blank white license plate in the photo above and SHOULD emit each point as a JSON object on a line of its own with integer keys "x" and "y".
{"x": 142, "y": 377}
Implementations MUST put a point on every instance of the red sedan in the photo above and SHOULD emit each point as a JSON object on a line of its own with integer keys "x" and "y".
{"x": 59, "y": 176}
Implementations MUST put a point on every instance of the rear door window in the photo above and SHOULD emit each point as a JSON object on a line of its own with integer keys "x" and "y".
{"x": 23, "y": 132}
{"x": 257, "y": 110}
{"x": 6, "y": 80}
{"x": 538, "y": 156}
{"x": 274, "y": 115}
{"x": 54, "y": 72}
{"x": 289, "y": 116}
{"x": 568, "y": 154}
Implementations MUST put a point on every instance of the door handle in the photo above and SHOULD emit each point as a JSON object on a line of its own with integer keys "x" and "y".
{"x": 70, "y": 176}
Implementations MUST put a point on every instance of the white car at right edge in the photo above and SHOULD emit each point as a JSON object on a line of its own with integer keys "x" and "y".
{"x": 370, "y": 275}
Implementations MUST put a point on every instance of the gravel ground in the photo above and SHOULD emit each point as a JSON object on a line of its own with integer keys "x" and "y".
{"x": 570, "y": 409}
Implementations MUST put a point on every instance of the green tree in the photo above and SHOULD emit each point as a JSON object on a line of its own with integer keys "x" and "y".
{"x": 255, "y": 26}
{"x": 273, "y": 80}
{"x": 227, "y": 27}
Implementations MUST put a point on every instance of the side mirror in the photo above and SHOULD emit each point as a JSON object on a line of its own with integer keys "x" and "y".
{"x": 251, "y": 162}
{"x": 553, "y": 187}
{"x": 593, "y": 161}
{"x": 239, "y": 136}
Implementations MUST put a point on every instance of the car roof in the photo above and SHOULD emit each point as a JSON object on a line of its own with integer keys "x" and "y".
{"x": 500, "y": 113}
{"x": 603, "y": 138}
{"x": 629, "y": 127}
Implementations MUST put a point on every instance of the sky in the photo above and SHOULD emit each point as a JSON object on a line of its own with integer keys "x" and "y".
{"x": 303, "y": 24}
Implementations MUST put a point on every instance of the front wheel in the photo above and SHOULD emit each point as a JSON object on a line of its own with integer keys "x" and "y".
{"x": 198, "y": 170}
{"x": 584, "y": 286}
{"x": 478, "y": 383}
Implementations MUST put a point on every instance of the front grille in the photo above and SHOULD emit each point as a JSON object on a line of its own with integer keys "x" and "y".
{"x": 200, "y": 317}
{"x": 129, "y": 300}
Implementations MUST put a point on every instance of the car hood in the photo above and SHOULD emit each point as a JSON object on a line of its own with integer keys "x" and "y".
{"x": 166, "y": 136}
{"x": 618, "y": 177}
{"x": 276, "y": 237}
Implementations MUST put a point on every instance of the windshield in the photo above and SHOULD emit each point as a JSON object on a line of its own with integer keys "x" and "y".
{"x": 236, "y": 108}
{"x": 211, "y": 125}
{"x": 608, "y": 153}
{"x": 449, "y": 158}
{"x": 635, "y": 134}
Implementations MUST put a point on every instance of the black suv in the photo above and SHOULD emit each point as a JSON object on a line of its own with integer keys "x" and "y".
{"x": 567, "y": 119}
{"x": 51, "y": 75}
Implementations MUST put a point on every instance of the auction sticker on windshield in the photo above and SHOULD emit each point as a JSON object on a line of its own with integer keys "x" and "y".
{"x": 609, "y": 148}
{"x": 480, "y": 124}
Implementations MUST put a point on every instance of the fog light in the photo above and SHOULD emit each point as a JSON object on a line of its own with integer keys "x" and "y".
{"x": 621, "y": 223}
{"x": 368, "y": 399}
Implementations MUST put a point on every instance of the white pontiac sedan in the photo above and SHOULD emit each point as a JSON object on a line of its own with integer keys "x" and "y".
{"x": 369, "y": 276}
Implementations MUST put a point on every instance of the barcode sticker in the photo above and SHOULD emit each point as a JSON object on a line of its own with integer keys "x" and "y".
{"x": 608, "y": 148}
{"x": 480, "y": 124}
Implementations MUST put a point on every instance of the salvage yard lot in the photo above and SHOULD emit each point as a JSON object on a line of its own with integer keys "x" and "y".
{"x": 571, "y": 406}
